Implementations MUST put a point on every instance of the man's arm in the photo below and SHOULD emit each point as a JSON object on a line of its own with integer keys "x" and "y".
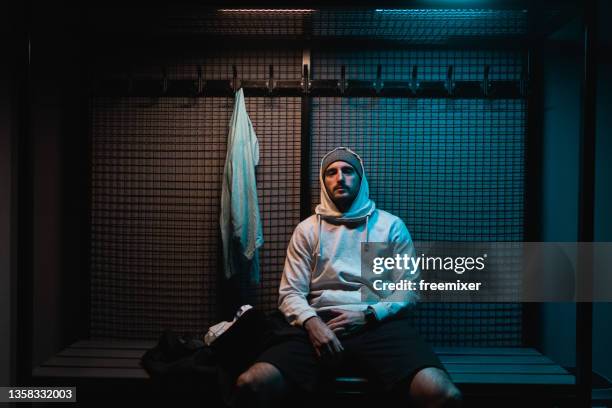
{"x": 400, "y": 236}
{"x": 294, "y": 288}
{"x": 295, "y": 282}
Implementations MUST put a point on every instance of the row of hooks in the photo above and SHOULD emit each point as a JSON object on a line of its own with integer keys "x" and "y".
{"x": 449, "y": 87}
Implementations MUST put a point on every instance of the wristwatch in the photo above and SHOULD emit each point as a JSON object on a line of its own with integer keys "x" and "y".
{"x": 370, "y": 316}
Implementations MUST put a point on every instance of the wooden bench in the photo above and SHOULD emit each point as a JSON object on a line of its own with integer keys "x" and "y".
{"x": 507, "y": 376}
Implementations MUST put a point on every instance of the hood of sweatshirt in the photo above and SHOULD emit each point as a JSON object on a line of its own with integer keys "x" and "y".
{"x": 360, "y": 211}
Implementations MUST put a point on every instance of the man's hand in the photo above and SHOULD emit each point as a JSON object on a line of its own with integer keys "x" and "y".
{"x": 347, "y": 321}
{"x": 323, "y": 339}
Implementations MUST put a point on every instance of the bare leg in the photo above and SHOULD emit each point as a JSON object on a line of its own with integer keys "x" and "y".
{"x": 431, "y": 388}
{"x": 262, "y": 385}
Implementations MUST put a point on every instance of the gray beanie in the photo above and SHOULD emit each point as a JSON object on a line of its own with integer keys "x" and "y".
{"x": 341, "y": 154}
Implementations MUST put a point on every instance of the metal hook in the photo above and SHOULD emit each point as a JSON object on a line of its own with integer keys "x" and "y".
{"x": 523, "y": 82}
{"x": 200, "y": 83}
{"x": 378, "y": 84}
{"x": 414, "y": 84}
{"x": 486, "y": 86}
{"x": 305, "y": 80}
{"x": 450, "y": 85}
{"x": 234, "y": 78}
{"x": 270, "y": 83}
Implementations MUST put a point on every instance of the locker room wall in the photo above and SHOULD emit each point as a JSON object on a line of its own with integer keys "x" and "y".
{"x": 157, "y": 166}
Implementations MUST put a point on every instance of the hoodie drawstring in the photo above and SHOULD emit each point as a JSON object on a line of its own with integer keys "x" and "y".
{"x": 320, "y": 232}
{"x": 367, "y": 233}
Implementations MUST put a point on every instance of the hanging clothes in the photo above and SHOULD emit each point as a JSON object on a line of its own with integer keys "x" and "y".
{"x": 240, "y": 221}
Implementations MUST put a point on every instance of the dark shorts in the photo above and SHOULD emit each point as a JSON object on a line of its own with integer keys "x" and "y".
{"x": 389, "y": 354}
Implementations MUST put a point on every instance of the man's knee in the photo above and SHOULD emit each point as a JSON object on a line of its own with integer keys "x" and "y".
{"x": 431, "y": 387}
{"x": 260, "y": 378}
{"x": 451, "y": 397}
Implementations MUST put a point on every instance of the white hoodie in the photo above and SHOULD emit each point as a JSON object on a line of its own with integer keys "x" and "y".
{"x": 325, "y": 249}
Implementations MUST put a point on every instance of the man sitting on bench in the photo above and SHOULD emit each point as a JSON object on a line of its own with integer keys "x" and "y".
{"x": 326, "y": 310}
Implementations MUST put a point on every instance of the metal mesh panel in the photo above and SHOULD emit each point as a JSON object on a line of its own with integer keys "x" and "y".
{"x": 156, "y": 174}
{"x": 277, "y": 122}
{"x": 452, "y": 169}
{"x": 503, "y": 23}
{"x": 417, "y": 26}
{"x": 156, "y": 181}
{"x": 251, "y": 23}
{"x": 251, "y": 64}
{"x": 432, "y": 65}
{"x": 425, "y": 26}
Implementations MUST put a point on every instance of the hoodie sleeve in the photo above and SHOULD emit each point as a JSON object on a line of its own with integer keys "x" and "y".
{"x": 403, "y": 245}
{"x": 295, "y": 282}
